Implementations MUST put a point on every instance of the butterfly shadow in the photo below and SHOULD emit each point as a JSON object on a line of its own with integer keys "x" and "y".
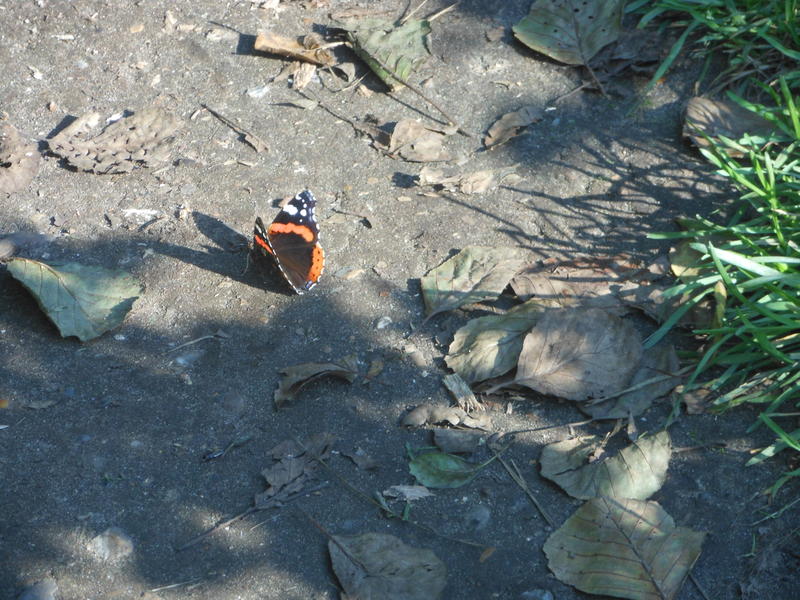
{"x": 230, "y": 254}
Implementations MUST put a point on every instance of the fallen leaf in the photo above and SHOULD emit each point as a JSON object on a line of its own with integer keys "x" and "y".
{"x": 309, "y": 51}
{"x": 579, "y": 354}
{"x": 478, "y": 182}
{"x": 302, "y": 75}
{"x": 430, "y": 414}
{"x": 475, "y": 274}
{"x": 408, "y": 493}
{"x": 623, "y": 548}
{"x": 638, "y": 471}
{"x": 511, "y": 125}
{"x": 401, "y": 49}
{"x": 684, "y": 260}
{"x": 84, "y": 301}
{"x": 414, "y": 142}
{"x": 453, "y": 441}
{"x": 19, "y": 160}
{"x": 294, "y": 468}
{"x": 375, "y": 566}
{"x": 697, "y": 399}
{"x": 715, "y": 118}
{"x": 658, "y": 364}
{"x": 571, "y": 31}
{"x": 489, "y": 346}
{"x": 585, "y": 282}
{"x": 461, "y": 392}
{"x": 362, "y": 460}
{"x": 139, "y": 140}
{"x": 297, "y": 376}
{"x": 441, "y": 471}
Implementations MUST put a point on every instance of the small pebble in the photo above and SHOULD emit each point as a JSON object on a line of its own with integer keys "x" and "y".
{"x": 383, "y": 323}
{"x": 112, "y": 545}
{"x": 44, "y": 590}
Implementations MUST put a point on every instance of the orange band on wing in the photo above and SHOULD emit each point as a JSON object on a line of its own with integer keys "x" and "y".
{"x": 305, "y": 232}
{"x": 263, "y": 243}
{"x": 317, "y": 263}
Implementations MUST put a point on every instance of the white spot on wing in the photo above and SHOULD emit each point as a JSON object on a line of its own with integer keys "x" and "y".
{"x": 290, "y": 209}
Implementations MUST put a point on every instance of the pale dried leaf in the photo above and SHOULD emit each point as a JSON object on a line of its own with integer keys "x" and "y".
{"x": 408, "y": 493}
{"x": 461, "y": 392}
{"x": 414, "y": 142}
{"x": 511, "y": 124}
{"x": 715, "y": 118}
{"x": 139, "y": 140}
{"x": 571, "y": 31}
{"x": 489, "y": 346}
{"x": 638, "y": 471}
{"x": 477, "y": 182}
{"x": 623, "y": 548}
{"x": 377, "y": 566}
{"x": 297, "y": 376}
{"x": 430, "y": 414}
{"x": 19, "y": 160}
{"x": 657, "y": 364}
{"x": 579, "y": 354}
{"x": 475, "y": 274}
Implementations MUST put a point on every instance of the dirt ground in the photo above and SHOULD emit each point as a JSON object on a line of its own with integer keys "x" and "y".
{"x": 112, "y": 433}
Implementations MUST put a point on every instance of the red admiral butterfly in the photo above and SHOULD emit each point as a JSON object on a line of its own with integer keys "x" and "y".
{"x": 292, "y": 239}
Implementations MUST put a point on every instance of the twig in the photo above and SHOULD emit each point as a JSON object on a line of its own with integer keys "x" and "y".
{"x": 251, "y": 139}
{"x": 698, "y": 586}
{"x": 248, "y": 512}
{"x": 641, "y": 385}
{"x": 515, "y": 474}
{"x": 410, "y": 13}
{"x": 174, "y": 585}
{"x": 219, "y": 334}
{"x": 422, "y": 95}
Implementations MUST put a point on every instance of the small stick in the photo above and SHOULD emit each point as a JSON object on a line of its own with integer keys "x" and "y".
{"x": 251, "y": 139}
{"x": 698, "y": 586}
{"x": 422, "y": 95}
{"x": 174, "y": 585}
{"x": 200, "y": 339}
{"x": 520, "y": 481}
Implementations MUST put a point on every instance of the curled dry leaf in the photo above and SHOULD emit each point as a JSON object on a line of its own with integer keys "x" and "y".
{"x": 571, "y": 31}
{"x": 585, "y": 282}
{"x": 408, "y": 493}
{"x": 297, "y": 376}
{"x": 377, "y": 565}
{"x": 623, "y": 548}
{"x": 489, "y": 346}
{"x": 19, "y": 160}
{"x": 579, "y": 354}
{"x": 715, "y": 118}
{"x": 362, "y": 460}
{"x": 477, "y": 182}
{"x": 414, "y": 142}
{"x": 475, "y": 274}
{"x": 295, "y": 466}
{"x": 656, "y": 375}
{"x": 429, "y": 414}
{"x": 461, "y": 392}
{"x": 638, "y": 471}
{"x": 510, "y": 125}
{"x": 310, "y": 50}
{"x": 379, "y": 43}
{"x": 84, "y": 301}
{"x": 139, "y": 140}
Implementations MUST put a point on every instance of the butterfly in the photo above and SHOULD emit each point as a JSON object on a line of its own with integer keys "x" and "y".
{"x": 292, "y": 239}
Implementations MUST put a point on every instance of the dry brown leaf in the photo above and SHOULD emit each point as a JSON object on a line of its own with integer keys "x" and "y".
{"x": 361, "y": 459}
{"x": 295, "y": 466}
{"x": 375, "y": 566}
{"x": 716, "y": 118}
{"x": 139, "y": 140}
{"x": 414, "y": 142}
{"x": 429, "y": 414}
{"x": 579, "y": 354}
{"x": 19, "y": 160}
{"x": 303, "y": 74}
{"x": 697, "y": 400}
{"x": 510, "y": 125}
{"x": 309, "y": 51}
{"x": 584, "y": 282}
{"x": 297, "y": 376}
{"x": 477, "y": 182}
